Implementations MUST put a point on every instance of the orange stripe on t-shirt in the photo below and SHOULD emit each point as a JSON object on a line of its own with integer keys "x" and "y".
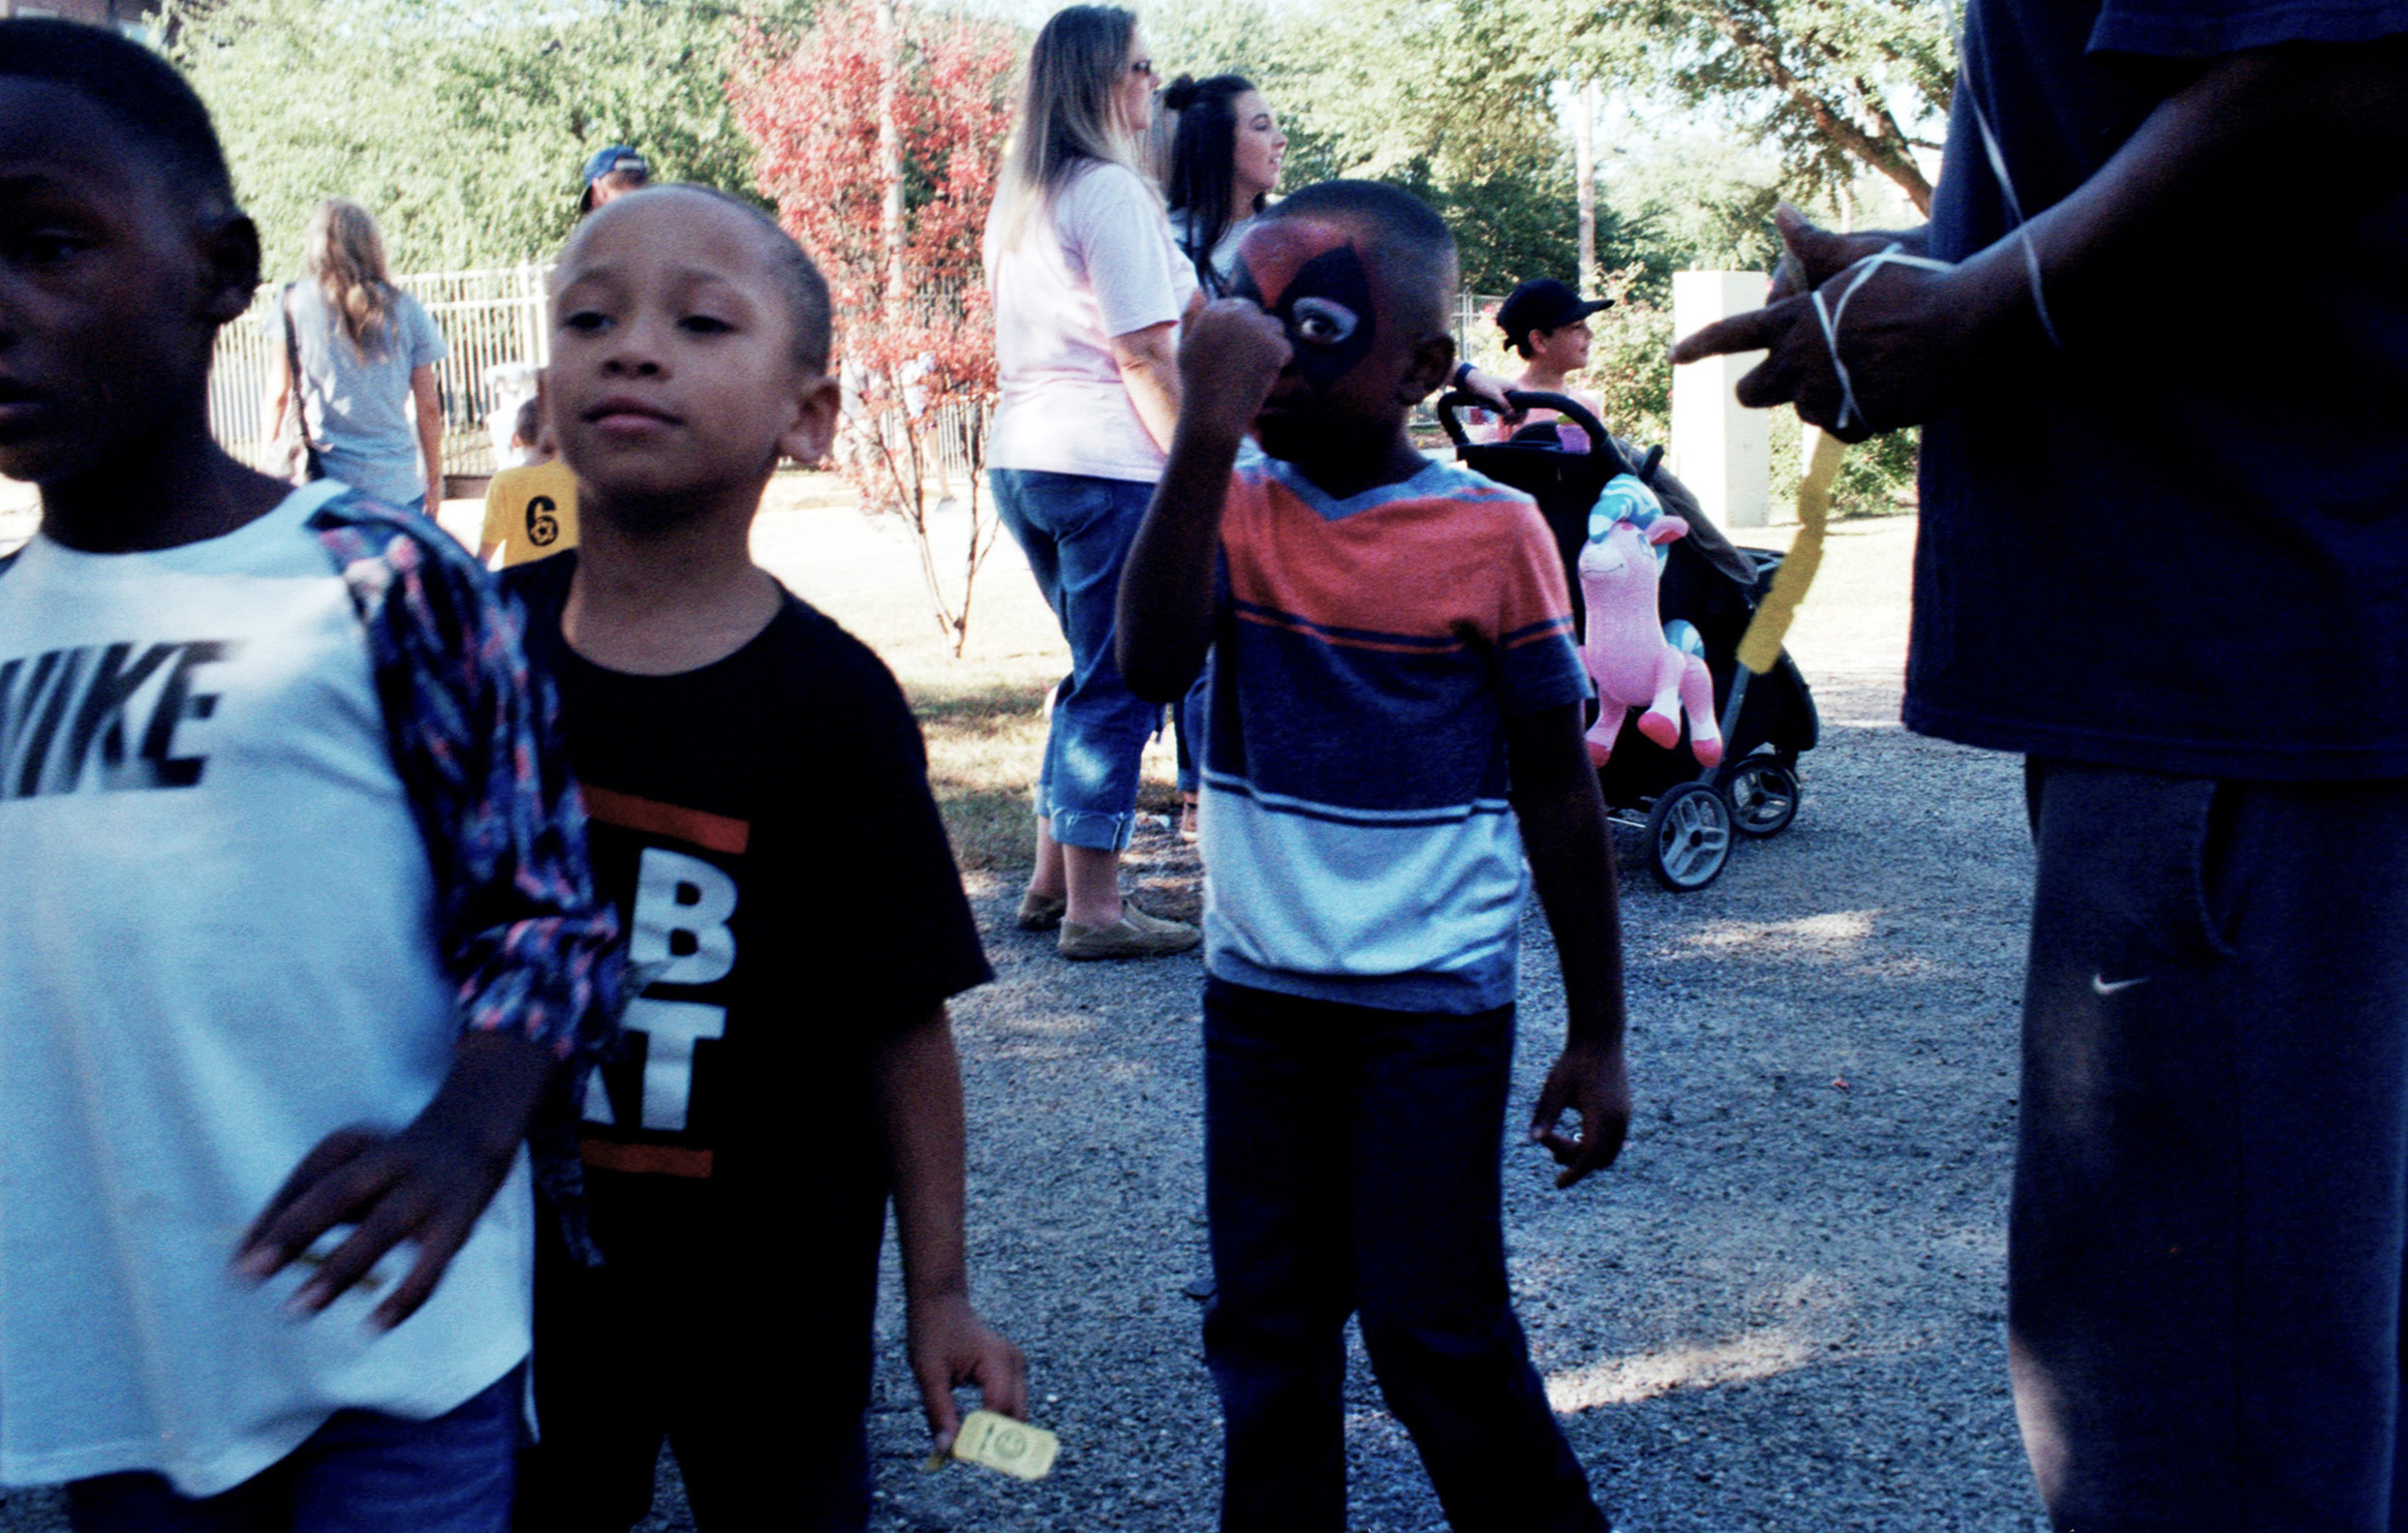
{"x": 711, "y": 832}
{"x": 1349, "y": 641}
{"x": 658, "y": 1161}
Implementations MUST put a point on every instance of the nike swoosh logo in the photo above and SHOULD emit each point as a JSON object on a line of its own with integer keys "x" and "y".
{"x": 2108, "y": 987}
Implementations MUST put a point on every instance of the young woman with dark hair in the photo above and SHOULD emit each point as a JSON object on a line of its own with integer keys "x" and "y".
{"x": 1224, "y": 160}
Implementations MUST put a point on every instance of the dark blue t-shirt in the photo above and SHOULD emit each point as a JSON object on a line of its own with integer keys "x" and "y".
{"x": 2188, "y": 555}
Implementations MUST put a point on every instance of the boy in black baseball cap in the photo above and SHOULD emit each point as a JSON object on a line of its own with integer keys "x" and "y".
{"x": 1548, "y": 324}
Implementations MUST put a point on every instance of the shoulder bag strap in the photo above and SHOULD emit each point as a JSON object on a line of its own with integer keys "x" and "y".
{"x": 292, "y": 368}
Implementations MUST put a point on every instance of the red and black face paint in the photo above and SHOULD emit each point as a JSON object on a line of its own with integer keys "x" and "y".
{"x": 1309, "y": 276}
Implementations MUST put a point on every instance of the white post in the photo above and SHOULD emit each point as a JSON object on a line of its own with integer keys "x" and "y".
{"x": 1719, "y": 449}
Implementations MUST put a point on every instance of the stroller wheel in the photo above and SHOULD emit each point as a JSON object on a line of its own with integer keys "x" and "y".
{"x": 1688, "y": 837}
{"x": 1763, "y": 793}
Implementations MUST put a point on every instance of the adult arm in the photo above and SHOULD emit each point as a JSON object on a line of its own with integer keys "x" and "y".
{"x": 919, "y": 1093}
{"x": 1233, "y": 354}
{"x": 279, "y": 391}
{"x": 1556, "y": 798}
{"x": 430, "y": 431}
{"x": 2248, "y": 128}
{"x": 1149, "y": 364}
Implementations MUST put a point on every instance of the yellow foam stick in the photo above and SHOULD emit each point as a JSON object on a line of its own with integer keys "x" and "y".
{"x": 1760, "y": 649}
{"x": 1001, "y": 1444}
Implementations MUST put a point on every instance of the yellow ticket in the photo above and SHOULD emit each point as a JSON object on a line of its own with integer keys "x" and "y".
{"x": 1001, "y": 1444}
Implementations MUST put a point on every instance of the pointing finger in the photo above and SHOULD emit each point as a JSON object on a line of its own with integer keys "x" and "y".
{"x": 1754, "y": 331}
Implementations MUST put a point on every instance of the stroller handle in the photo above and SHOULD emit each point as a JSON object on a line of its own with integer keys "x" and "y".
{"x": 1600, "y": 442}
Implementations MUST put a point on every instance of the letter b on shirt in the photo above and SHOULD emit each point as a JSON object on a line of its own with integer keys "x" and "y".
{"x": 682, "y": 907}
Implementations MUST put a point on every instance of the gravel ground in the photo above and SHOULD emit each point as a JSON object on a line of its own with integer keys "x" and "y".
{"x": 1781, "y": 1310}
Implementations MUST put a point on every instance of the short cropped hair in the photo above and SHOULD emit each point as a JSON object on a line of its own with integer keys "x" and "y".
{"x": 806, "y": 292}
{"x": 135, "y": 86}
{"x": 1410, "y": 242}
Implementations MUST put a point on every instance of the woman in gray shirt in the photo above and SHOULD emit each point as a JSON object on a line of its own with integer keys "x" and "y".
{"x": 367, "y": 355}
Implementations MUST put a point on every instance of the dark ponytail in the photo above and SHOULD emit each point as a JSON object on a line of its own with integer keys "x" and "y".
{"x": 1203, "y": 158}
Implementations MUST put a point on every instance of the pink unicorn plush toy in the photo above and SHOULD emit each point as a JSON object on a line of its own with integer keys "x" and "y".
{"x": 1635, "y": 657}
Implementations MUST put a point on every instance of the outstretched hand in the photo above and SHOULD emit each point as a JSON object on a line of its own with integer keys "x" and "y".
{"x": 1592, "y": 1080}
{"x": 950, "y": 1346}
{"x": 1227, "y": 362}
{"x": 1911, "y": 338}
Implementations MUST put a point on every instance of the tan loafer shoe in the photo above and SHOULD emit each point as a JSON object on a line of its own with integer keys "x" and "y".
{"x": 1041, "y": 913}
{"x": 1135, "y": 935}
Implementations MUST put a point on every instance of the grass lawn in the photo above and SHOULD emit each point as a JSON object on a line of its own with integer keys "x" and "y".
{"x": 983, "y": 714}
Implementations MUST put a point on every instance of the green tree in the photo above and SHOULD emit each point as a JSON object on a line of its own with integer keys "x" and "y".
{"x": 1434, "y": 96}
{"x": 462, "y": 126}
{"x": 1837, "y": 86}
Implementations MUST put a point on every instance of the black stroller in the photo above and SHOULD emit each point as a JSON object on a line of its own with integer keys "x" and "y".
{"x": 1687, "y": 816}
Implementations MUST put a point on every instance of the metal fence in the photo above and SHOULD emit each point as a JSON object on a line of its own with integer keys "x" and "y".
{"x": 494, "y": 327}
{"x": 496, "y": 334}
{"x": 494, "y": 331}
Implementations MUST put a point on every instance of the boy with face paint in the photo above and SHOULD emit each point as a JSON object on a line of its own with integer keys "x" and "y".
{"x": 1395, "y": 700}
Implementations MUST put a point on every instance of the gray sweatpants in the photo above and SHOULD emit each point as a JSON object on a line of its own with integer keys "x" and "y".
{"x": 2211, "y": 1184}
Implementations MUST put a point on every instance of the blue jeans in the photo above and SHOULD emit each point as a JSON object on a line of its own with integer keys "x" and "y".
{"x": 361, "y": 1472}
{"x": 1188, "y": 716}
{"x": 2204, "y": 1259}
{"x": 1351, "y": 1163}
{"x": 1075, "y": 532}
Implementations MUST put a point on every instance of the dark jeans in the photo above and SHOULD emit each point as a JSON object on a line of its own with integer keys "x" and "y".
{"x": 361, "y": 1472}
{"x": 751, "y": 1362}
{"x": 2212, "y": 1185}
{"x": 1075, "y": 532}
{"x": 1351, "y": 1163}
{"x": 1187, "y": 719}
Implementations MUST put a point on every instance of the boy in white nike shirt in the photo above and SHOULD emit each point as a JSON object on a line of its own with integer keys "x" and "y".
{"x": 298, "y": 922}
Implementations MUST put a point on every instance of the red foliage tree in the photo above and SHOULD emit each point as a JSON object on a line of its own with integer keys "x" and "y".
{"x": 879, "y": 137}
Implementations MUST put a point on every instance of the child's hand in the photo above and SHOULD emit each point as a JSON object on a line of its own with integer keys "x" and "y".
{"x": 1232, "y": 356}
{"x": 418, "y": 1184}
{"x": 1590, "y": 1080}
{"x": 951, "y": 1346}
{"x": 428, "y": 1184}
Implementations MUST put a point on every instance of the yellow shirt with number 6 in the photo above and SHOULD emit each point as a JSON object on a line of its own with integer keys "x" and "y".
{"x": 530, "y": 512}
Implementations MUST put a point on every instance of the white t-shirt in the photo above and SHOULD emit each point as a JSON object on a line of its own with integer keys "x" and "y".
{"x": 1224, "y": 257}
{"x": 217, "y": 945}
{"x": 1103, "y": 267}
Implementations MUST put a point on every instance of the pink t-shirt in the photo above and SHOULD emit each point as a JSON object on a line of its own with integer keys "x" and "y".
{"x": 1104, "y": 265}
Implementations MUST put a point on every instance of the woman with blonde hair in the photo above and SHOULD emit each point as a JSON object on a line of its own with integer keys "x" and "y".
{"x": 1089, "y": 293}
{"x": 363, "y": 356}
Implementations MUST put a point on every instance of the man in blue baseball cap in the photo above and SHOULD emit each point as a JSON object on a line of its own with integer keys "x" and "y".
{"x": 612, "y": 173}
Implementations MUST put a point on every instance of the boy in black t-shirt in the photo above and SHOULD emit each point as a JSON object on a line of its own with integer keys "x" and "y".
{"x": 761, "y": 810}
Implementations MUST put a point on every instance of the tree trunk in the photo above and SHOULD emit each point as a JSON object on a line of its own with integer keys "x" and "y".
{"x": 890, "y": 155}
{"x": 1585, "y": 170}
